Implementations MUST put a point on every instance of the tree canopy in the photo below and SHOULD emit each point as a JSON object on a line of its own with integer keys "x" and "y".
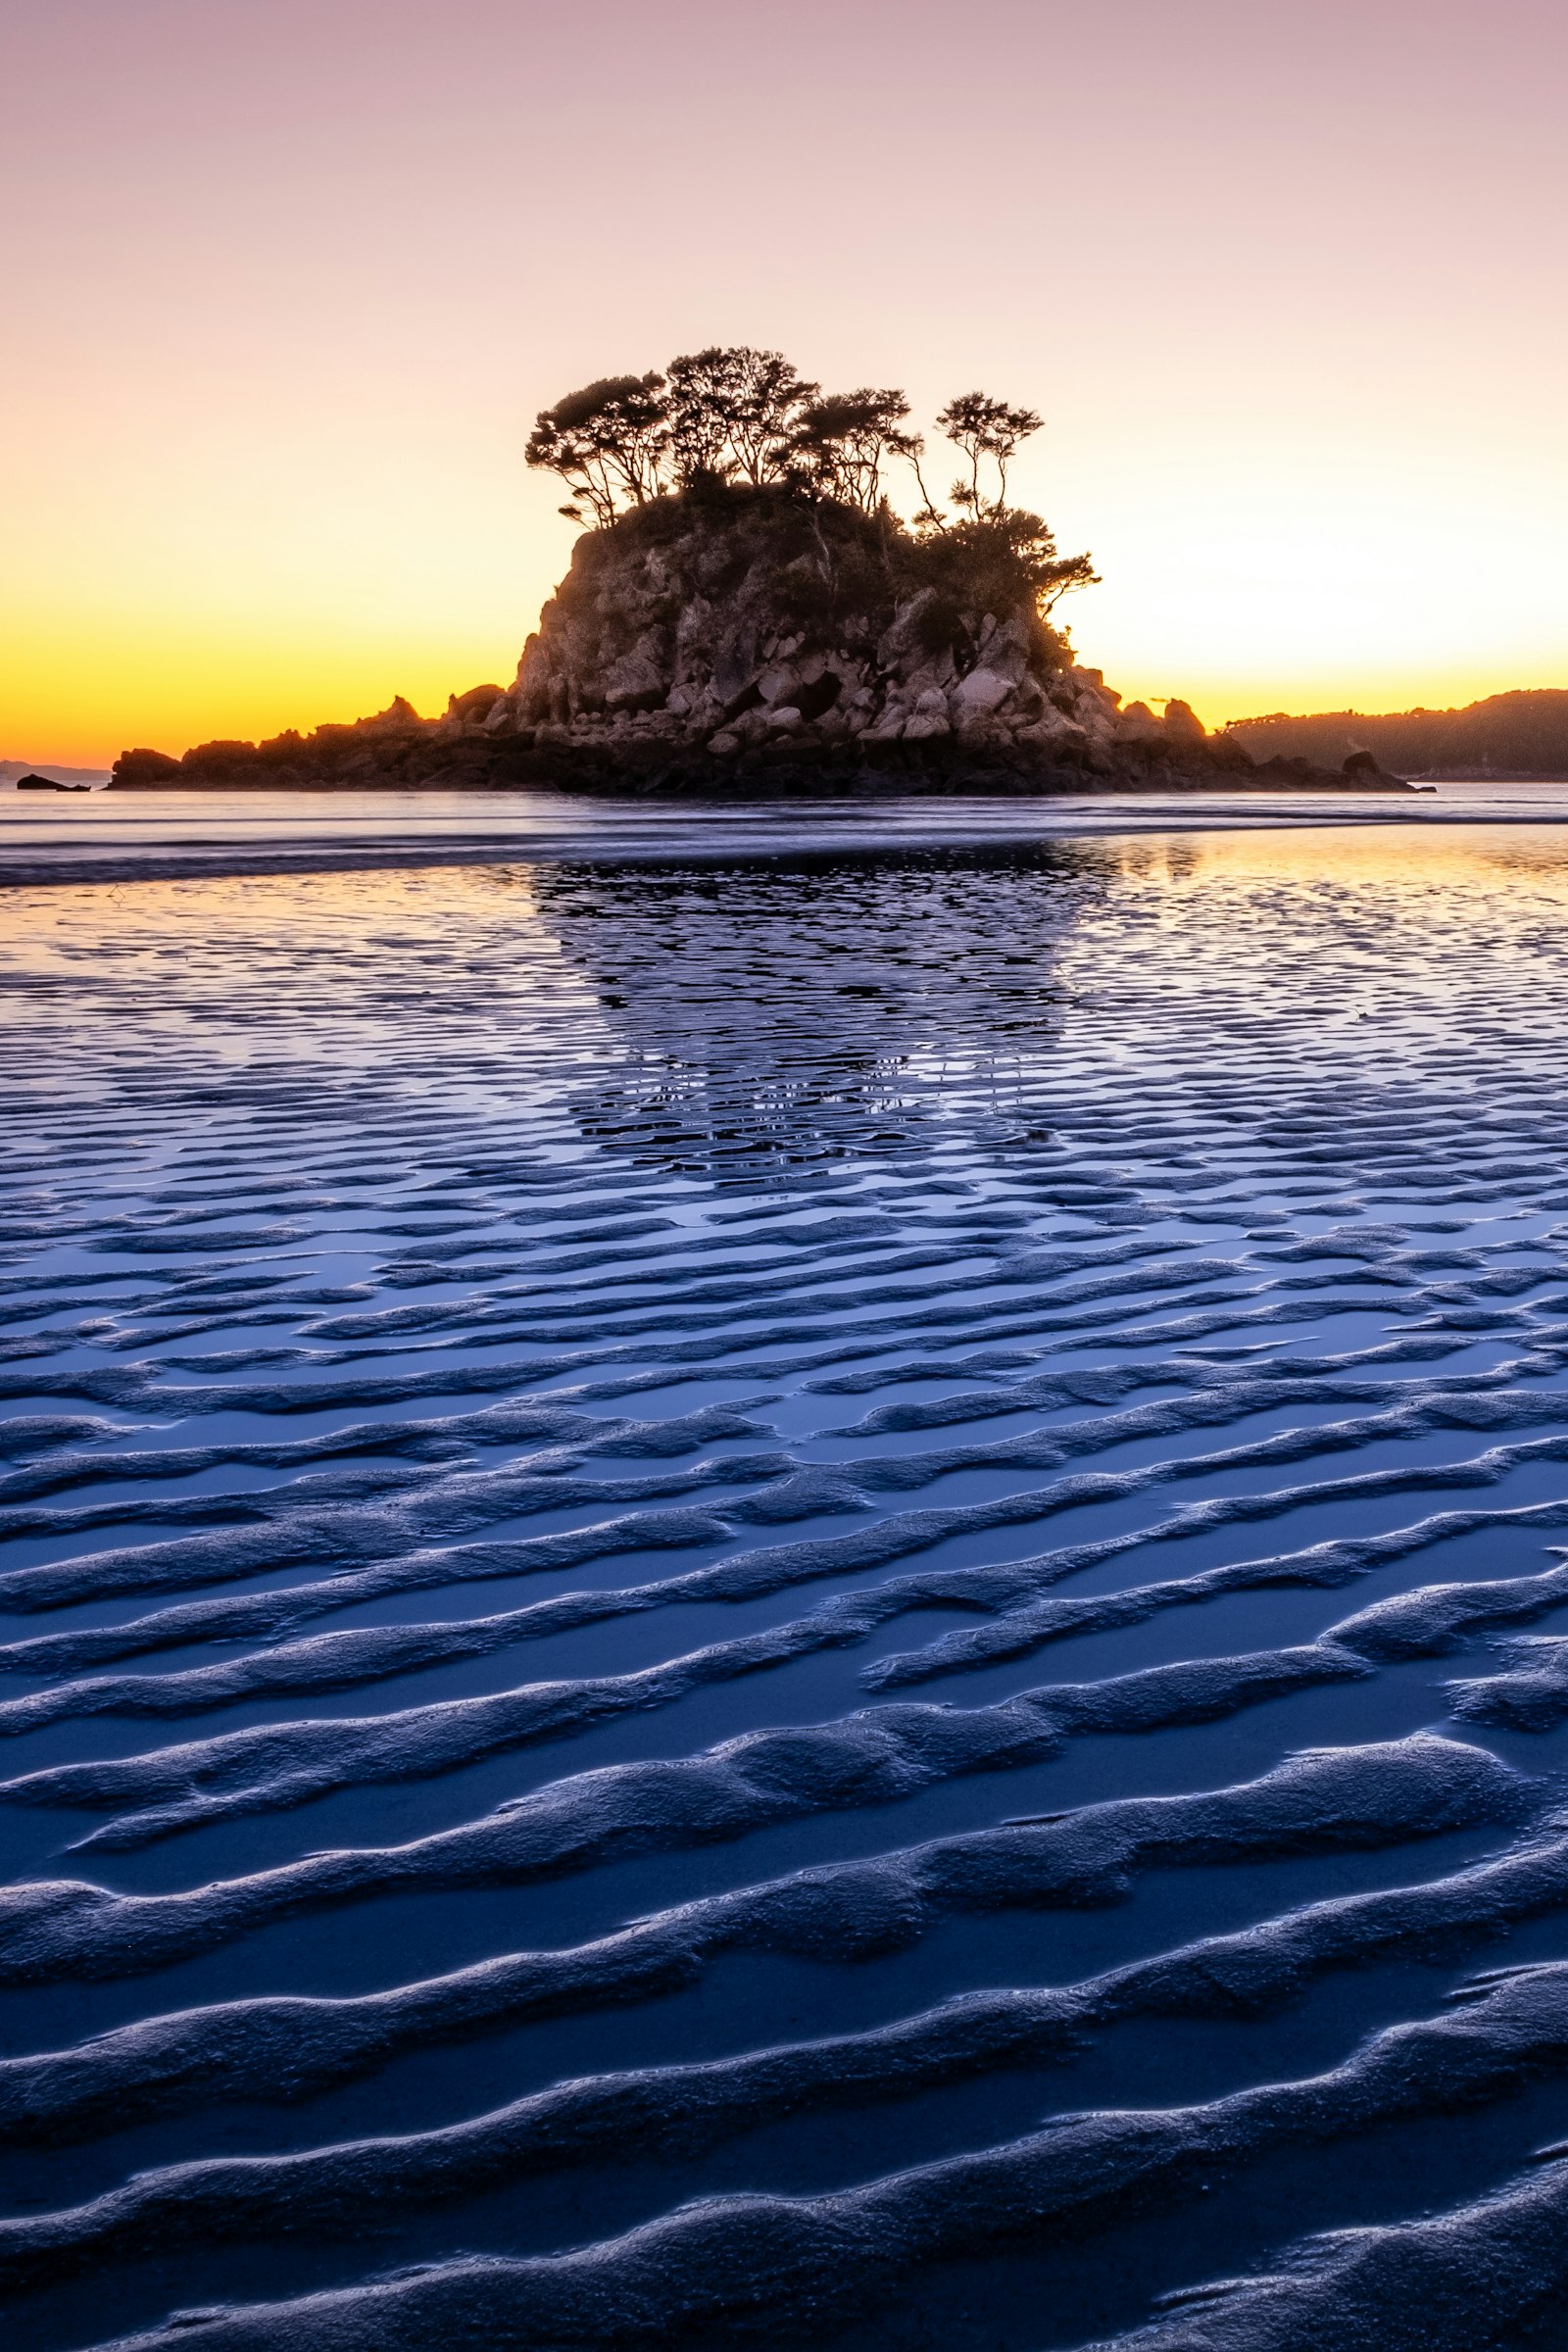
{"x": 608, "y": 444}
{"x": 841, "y": 443}
{"x": 733, "y": 415}
{"x": 983, "y": 428}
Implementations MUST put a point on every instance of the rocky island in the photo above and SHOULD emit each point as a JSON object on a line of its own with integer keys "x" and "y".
{"x": 746, "y": 614}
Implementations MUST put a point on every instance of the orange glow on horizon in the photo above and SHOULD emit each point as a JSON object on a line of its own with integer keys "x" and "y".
{"x": 283, "y": 287}
{"x": 1221, "y": 583}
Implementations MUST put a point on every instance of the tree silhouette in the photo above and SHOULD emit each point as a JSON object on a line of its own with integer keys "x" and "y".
{"x": 731, "y": 415}
{"x": 841, "y": 443}
{"x": 608, "y": 442}
{"x": 733, "y": 411}
{"x": 983, "y": 428}
{"x": 705, "y": 391}
{"x": 769, "y": 395}
{"x": 996, "y": 562}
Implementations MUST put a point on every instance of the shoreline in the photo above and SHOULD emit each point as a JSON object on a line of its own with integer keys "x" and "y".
{"x": 641, "y": 832}
{"x": 680, "y": 794}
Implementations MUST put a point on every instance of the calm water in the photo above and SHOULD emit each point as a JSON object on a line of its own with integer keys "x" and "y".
{"x": 816, "y": 1599}
{"x": 97, "y": 836}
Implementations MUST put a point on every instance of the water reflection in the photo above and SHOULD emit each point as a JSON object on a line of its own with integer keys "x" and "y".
{"x": 772, "y": 1016}
{"x": 396, "y": 1438}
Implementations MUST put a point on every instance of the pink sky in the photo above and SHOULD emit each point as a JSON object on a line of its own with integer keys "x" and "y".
{"x": 281, "y": 286}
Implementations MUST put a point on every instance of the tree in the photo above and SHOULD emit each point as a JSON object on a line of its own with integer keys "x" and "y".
{"x": 767, "y": 399}
{"x": 608, "y": 443}
{"x": 733, "y": 411}
{"x": 998, "y": 562}
{"x": 841, "y": 443}
{"x": 705, "y": 389}
{"x": 1050, "y": 577}
{"x": 732, "y": 414}
{"x": 983, "y": 428}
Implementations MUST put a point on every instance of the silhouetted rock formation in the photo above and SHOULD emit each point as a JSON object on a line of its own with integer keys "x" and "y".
{"x": 36, "y": 772}
{"x": 394, "y": 746}
{"x": 734, "y": 640}
{"x": 759, "y": 636}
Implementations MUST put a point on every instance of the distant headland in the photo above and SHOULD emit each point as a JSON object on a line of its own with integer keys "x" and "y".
{"x": 745, "y": 614}
{"x": 1520, "y": 735}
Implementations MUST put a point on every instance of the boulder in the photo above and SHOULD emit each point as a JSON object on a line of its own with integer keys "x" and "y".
{"x": 400, "y": 717}
{"x": 144, "y": 770}
{"x": 477, "y": 702}
{"x": 1051, "y": 729}
{"x": 1183, "y": 723}
{"x": 637, "y": 681}
{"x": 930, "y": 717}
{"x": 1139, "y": 725}
{"x": 903, "y": 635}
{"x": 978, "y": 695}
{"x": 1004, "y": 646}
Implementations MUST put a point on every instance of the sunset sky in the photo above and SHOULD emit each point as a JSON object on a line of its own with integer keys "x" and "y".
{"x": 282, "y": 283}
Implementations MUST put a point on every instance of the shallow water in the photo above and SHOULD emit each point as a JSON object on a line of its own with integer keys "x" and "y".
{"x": 125, "y": 836}
{"x": 803, "y": 1598}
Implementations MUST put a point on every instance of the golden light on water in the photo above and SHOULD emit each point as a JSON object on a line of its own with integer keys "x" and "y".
{"x": 1417, "y": 862}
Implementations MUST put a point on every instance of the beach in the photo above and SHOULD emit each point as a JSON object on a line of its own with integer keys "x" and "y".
{"x": 805, "y": 1563}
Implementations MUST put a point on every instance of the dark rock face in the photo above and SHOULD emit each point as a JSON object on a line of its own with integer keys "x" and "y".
{"x": 146, "y": 770}
{"x": 762, "y": 639}
{"x": 752, "y": 642}
{"x": 394, "y": 746}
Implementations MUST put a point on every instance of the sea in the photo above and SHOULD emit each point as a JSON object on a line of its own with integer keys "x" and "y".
{"x": 784, "y": 1576}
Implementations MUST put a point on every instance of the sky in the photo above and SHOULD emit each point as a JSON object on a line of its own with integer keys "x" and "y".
{"x": 283, "y": 283}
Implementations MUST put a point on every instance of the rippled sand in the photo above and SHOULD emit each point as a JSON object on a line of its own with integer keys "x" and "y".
{"x": 812, "y": 1599}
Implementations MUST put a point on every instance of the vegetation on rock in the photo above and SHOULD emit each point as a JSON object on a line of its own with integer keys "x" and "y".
{"x": 723, "y": 418}
{"x": 747, "y": 611}
{"x": 1520, "y": 734}
{"x": 746, "y": 578}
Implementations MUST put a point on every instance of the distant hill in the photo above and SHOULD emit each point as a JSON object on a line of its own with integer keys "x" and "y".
{"x": 1520, "y": 734}
{"x": 11, "y": 769}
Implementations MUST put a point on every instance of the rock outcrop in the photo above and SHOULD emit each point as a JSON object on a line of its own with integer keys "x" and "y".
{"x": 748, "y": 642}
{"x": 755, "y": 638}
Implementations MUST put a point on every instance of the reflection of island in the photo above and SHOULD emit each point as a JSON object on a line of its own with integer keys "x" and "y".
{"x": 774, "y": 1016}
